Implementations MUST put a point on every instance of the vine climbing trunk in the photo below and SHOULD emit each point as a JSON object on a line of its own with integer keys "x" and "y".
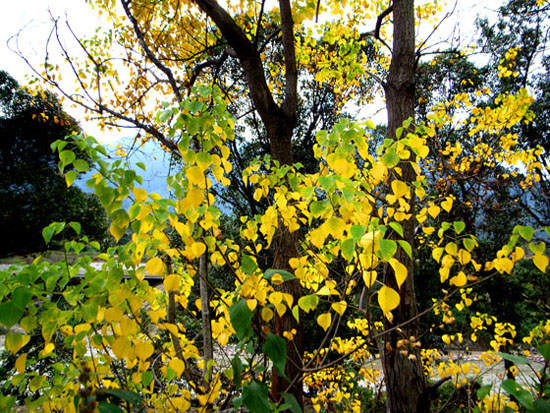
{"x": 406, "y": 384}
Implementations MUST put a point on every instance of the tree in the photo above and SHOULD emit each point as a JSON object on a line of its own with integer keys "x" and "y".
{"x": 331, "y": 230}
{"x": 33, "y": 192}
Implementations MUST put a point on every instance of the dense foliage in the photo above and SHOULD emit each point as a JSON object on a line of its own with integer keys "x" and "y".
{"x": 322, "y": 267}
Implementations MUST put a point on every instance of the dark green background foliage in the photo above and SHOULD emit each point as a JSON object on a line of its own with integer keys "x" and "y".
{"x": 32, "y": 192}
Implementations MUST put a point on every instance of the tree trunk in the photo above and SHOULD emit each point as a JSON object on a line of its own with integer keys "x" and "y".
{"x": 279, "y": 122}
{"x": 285, "y": 249}
{"x": 406, "y": 384}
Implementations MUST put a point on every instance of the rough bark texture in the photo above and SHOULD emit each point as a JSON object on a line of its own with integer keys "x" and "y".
{"x": 407, "y": 387}
{"x": 279, "y": 122}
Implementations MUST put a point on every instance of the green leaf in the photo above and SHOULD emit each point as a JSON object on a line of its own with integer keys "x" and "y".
{"x": 237, "y": 365}
{"x": 357, "y": 231}
{"x": 510, "y": 386}
{"x": 514, "y": 359}
{"x": 76, "y": 227}
{"x": 327, "y": 183}
{"x": 9, "y": 314}
{"x": 67, "y": 157}
{"x": 20, "y": 297}
{"x": 255, "y": 398}
{"x": 287, "y": 276}
{"x": 390, "y": 159}
{"x": 348, "y": 248}
{"x": 469, "y": 243}
{"x": 459, "y": 226}
{"x": 70, "y": 177}
{"x": 81, "y": 165}
{"x": 196, "y": 106}
{"x": 275, "y": 348}
{"x": 538, "y": 249}
{"x": 308, "y": 192}
{"x": 146, "y": 378}
{"x": 406, "y": 247}
{"x": 51, "y": 230}
{"x": 396, "y": 226}
{"x": 541, "y": 406}
{"x": 526, "y": 232}
{"x": 105, "y": 407}
{"x": 370, "y": 124}
{"x": 241, "y": 316}
{"x": 248, "y": 265}
{"x": 318, "y": 207}
{"x": 522, "y": 396}
{"x": 388, "y": 248}
{"x": 165, "y": 115}
{"x": 293, "y": 404}
{"x": 308, "y": 302}
{"x": 141, "y": 165}
{"x": 484, "y": 391}
{"x": 128, "y": 396}
{"x": 544, "y": 350}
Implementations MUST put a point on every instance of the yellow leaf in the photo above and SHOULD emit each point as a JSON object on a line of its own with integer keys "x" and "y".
{"x": 451, "y": 248}
{"x": 121, "y": 347}
{"x": 177, "y": 365}
{"x": 155, "y": 266}
{"x": 340, "y": 307}
{"x": 369, "y": 277}
{"x": 400, "y": 271}
{"x": 251, "y": 303}
{"x": 198, "y": 248}
{"x": 541, "y": 261}
{"x": 144, "y": 350}
{"x": 21, "y": 363}
{"x": 400, "y": 188}
{"x": 195, "y": 176}
{"x": 459, "y": 280}
{"x": 324, "y": 320}
{"x": 447, "y": 204}
{"x": 434, "y": 211}
{"x": 428, "y": 230}
{"x": 113, "y": 314}
{"x": 194, "y": 198}
{"x": 140, "y": 194}
{"x": 48, "y": 348}
{"x": 116, "y": 231}
{"x": 172, "y": 283}
{"x": 437, "y": 253}
{"x": 388, "y": 299}
{"x": 15, "y": 341}
{"x": 267, "y": 314}
{"x": 464, "y": 257}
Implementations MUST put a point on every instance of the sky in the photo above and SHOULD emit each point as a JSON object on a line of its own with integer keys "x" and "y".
{"x": 33, "y": 19}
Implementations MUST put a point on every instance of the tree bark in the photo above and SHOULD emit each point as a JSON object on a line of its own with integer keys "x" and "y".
{"x": 406, "y": 384}
{"x": 279, "y": 122}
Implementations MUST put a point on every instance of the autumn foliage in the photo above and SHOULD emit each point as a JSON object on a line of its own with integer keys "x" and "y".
{"x": 372, "y": 206}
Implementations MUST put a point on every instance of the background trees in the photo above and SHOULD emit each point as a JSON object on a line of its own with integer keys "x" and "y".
{"x": 32, "y": 191}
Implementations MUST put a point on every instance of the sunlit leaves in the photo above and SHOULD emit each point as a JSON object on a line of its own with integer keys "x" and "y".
{"x": 155, "y": 266}
{"x": 541, "y": 262}
{"x": 324, "y": 320}
{"x": 15, "y": 341}
{"x": 388, "y": 299}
